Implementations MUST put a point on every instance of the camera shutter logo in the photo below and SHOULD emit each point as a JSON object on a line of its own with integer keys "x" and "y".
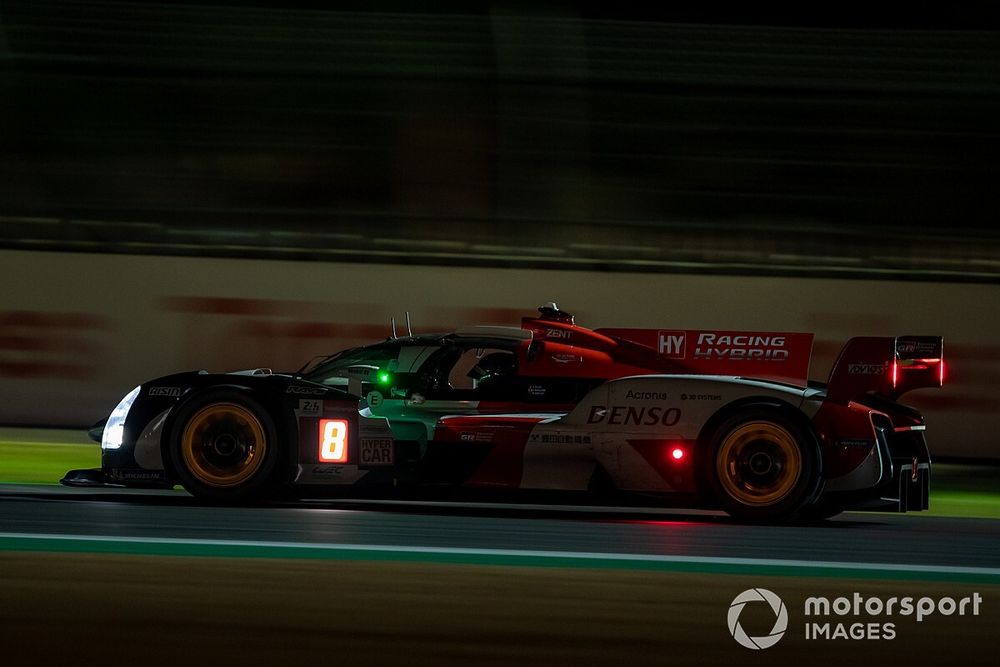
{"x": 780, "y": 621}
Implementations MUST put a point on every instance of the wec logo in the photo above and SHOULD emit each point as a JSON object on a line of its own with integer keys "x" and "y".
{"x": 780, "y": 618}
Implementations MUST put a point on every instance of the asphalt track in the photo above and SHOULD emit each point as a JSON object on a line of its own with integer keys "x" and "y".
{"x": 115, "y": 577}
{"x": 881, "y": 542}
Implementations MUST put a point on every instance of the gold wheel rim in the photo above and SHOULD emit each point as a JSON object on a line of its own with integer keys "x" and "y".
{"x": 223, "y": 444}
{"x": 759, "y": 463}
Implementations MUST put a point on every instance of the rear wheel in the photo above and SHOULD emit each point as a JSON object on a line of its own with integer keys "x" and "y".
{"x": 224, "y": 447}
{"x": 765, "y": 466}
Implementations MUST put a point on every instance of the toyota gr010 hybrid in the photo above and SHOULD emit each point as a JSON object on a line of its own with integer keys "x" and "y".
{"x": 723, "y": 419}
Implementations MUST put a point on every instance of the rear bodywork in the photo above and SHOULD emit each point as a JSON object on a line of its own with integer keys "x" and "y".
{"x": 552, "y": 406}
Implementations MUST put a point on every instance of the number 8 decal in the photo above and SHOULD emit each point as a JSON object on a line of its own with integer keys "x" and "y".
{"x": 333, "y": 440}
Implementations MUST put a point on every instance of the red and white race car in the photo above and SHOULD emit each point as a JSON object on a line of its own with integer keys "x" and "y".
{"x": 710, "y": 418}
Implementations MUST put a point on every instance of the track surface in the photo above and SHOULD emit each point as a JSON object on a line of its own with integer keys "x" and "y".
{"x": 852, "y": 538}
{"x": 202, "y": 584}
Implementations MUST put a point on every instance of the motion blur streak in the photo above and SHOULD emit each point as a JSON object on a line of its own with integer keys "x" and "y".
{"x": 600, "y": 139}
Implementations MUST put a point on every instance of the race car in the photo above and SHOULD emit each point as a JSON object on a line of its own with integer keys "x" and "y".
{"x": 720, "y": 419}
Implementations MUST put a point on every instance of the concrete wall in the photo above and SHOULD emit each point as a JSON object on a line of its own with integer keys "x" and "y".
{"x": 79, "y": 330}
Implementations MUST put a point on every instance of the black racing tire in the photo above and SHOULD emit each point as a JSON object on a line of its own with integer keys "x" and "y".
{"x": 764, "y": 466}
{"x": 224, "y": 447}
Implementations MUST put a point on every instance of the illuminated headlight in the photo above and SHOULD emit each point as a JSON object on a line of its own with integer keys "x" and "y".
{"x": 114, "y": 430}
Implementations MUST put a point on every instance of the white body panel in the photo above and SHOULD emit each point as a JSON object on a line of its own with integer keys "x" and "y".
{"x": 642, "y": 408}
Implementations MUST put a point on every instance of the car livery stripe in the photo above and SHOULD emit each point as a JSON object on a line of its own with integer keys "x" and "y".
{"x": 486, "y": 407}
{"x": 540, "y": 417}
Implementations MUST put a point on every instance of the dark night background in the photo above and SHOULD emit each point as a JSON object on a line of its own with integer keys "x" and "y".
{"x": 586, "y": 132}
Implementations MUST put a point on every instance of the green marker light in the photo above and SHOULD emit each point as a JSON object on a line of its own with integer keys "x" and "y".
{"x": 383, "y": 378}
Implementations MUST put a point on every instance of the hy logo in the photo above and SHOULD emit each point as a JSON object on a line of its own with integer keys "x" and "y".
{"x": 780, "y": 618}
{"x": 671, "y": 344}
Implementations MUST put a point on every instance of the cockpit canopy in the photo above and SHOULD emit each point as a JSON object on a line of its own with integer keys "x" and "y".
{"x": 440, "y": 364}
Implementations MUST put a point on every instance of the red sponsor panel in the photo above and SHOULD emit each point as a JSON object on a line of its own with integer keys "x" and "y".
{"x": 557, "y": 359}
{"x": 567, "y": 333}
{"x": 506, "y": 438}
{"x": 761, "y": 354}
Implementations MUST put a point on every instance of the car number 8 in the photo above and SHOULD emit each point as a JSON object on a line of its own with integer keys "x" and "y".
{"x": 333, "y": 440}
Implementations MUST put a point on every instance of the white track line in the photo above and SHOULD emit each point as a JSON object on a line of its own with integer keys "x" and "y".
{"x": 527, "y": 553}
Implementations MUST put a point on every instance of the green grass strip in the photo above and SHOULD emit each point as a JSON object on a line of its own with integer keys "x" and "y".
{"x": 30, "y": 462}
{"x": 980, "y": 504}
{"x": 43, "y": 462}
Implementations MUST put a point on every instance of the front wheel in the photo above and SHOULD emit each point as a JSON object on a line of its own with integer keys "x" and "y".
{"x": 224, "y": 447}
{"x": 765, "y": 466}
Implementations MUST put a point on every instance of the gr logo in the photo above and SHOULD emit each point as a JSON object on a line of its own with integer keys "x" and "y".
{"x": 780, "y": 618}
{"x": 671, "y": 344}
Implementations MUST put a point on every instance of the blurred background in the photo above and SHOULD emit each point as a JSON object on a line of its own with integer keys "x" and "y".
{"x": 249, "y": 183}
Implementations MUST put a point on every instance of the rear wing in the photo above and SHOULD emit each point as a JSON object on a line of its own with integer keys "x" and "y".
{"x": 886, "y": 366}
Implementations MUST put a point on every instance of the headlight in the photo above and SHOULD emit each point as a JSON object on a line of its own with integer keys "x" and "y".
{"x": 114, "y": 430}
